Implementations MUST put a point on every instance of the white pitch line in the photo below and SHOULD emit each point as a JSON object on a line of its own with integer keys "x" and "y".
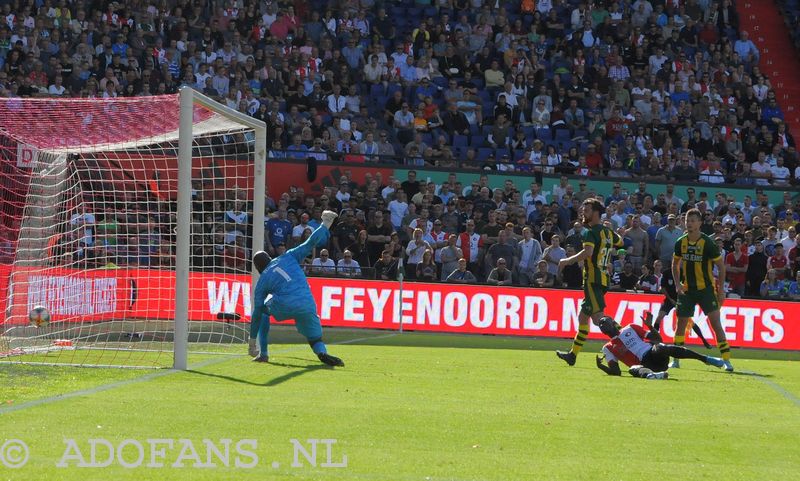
{"x": 777, "y": 387}
{"x": 156, "y": 375}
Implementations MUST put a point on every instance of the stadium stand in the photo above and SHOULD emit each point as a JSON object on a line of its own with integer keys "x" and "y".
{"x": 657, "y": 91}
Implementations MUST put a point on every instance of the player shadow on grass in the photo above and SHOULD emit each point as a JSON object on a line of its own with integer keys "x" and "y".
{"x": 749, "y": 373}
{"x": 297, "y": 370}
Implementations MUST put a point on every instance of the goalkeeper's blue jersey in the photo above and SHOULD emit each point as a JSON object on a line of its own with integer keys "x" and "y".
{"x": 285, "y": 280}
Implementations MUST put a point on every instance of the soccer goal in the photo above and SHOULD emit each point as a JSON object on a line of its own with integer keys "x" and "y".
{"x": 134, "y": 221}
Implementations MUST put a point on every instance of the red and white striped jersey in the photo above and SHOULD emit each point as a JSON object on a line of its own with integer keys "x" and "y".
{"x": 628, "y": 347}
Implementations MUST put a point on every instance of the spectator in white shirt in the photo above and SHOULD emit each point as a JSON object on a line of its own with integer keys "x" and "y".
{"x": 414, "y": 251}
{"x": 780, "y": 173}
{"x": 347, "y": 266}
{"x": 57, "y": 89}
{"x": 761, "y": 170}
{"x": 398, "y": 209}
{"x": 297, "y": 231}
{"x": 711, "y": 174}
{"x": 337, "y": 103}
{"x": 323, "y": 263}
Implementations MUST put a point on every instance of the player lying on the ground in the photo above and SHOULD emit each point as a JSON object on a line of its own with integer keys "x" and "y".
{"x": 282, "y": 291}
{"x": 642, "y": 351}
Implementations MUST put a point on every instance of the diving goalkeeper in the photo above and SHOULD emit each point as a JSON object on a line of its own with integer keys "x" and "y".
{"x": 282, "y": 291}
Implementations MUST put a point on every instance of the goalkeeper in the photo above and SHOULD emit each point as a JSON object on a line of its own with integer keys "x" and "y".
{"x": 282, "y": 291}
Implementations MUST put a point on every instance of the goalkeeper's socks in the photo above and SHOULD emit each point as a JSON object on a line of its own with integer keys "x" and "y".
{"x": 319, "y": 348}
{"x": 262, "y": 343}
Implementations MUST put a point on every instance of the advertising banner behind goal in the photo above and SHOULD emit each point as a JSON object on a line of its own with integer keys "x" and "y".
{"x": 101, "y": 295}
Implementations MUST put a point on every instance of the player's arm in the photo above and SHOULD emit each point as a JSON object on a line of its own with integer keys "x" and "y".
{"x": 613, "y": 365}
{"x": 319, "y": 236}
{"x": 259, "y": 296}
{"x": 652, "y": 336}
{"x": 721, "y": 279}
{"x": 676, "y": 272}
{"x": 618, "y": 240}
{"x": 586, "y": 252}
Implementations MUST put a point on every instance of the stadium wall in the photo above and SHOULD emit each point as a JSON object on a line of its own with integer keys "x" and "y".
{"x": 100, "y": 295}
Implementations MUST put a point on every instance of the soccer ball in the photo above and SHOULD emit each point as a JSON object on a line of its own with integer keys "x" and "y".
{"x": 39, "y": 316}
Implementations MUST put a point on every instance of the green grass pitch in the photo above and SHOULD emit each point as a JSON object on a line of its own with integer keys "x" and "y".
{"x": 410, "y": 407}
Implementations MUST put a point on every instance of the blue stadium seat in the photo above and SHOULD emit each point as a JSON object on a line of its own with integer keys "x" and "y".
{"x": 544, "y": 134}
{"x": 484, "y": 153}
{"x": 460, "y": 140}
{"x": 376, "y": 90}
{"x": 563, "y": 134}
{"x": 581, "y": 133}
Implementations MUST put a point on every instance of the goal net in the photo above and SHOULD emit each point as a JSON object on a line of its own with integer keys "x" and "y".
{"x": 131, "y": 221}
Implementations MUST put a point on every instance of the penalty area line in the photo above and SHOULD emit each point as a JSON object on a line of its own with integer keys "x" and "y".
{"x": 156, "y": 375}
{"x": 778, "y": 388}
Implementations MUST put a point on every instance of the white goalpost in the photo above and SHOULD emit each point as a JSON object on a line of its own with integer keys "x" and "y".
{"x": 134, "y": 222}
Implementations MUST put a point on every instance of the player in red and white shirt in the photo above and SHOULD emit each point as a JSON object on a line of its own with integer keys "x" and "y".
{"x": 642, "y": 351}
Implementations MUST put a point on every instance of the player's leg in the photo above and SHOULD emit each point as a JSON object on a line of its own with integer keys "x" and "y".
{"x": 263, "y": 336}
{"x": 722, "y": 342}
{"x": 684, "y": 311}
{"x": 680, "y": 337}
{"x": 698, "y": 331}
{"x": 680, "y": 352}
{"x": 309, "y": 325}
{"x": 591, "y": 308}
{"x": 666, "y": 306}
{"x": 657, "y": 359}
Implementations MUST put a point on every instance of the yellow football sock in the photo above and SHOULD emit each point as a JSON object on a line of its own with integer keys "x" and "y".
{"x": 580, "y": 338}
{"x": 725, "y": 350}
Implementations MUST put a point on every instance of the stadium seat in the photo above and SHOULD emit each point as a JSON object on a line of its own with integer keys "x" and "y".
{"x": 544, "y": 134}
{"x": 563, "y": 134}
{"x": 460, "y": 140}
{"x": 484, "y": 153}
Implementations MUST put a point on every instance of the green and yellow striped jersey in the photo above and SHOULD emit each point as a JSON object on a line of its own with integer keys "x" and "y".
{"x": 697, "y": 269}
{"x": 603, "y": 240}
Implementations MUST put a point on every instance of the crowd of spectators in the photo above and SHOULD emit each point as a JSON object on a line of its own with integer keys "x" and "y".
{"x": 470, "y": 233}
{"x": 657, "y": 91}
{"x": 660, "y": 89}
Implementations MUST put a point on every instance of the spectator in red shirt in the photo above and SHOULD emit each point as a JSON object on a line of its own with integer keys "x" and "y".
{"x": 616, "y": 125}
{"x": 280, "y": 27}
{"x": 593, "y": 159}
{"x": 779, "y": 262}
{"x": 736, "y": 264}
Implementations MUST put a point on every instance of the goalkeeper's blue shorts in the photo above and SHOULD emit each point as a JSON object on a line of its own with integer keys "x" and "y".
{"x": 307, "y": 323}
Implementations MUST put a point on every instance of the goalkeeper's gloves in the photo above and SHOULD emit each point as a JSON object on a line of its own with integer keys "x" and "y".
{"x": 328, "y": 217}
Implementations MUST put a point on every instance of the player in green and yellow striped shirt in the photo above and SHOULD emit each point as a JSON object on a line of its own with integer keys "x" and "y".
{"x": 693, "y": 263}
{"x": 598, "y": 243}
